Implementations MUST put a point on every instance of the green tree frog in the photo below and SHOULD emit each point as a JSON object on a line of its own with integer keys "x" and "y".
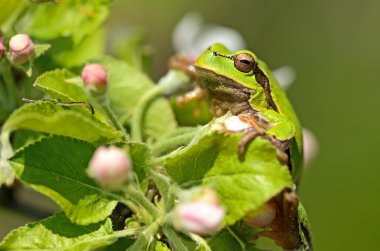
{"x": 239, "y": 83}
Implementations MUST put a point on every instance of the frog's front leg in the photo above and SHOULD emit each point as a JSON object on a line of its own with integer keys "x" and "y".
{"x": 186, "y": 64}
{"x": 270, "y": 125}
{"x": 196, "y": 94}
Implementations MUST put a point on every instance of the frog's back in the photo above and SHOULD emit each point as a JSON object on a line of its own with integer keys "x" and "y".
{"x": 286, "y": 109}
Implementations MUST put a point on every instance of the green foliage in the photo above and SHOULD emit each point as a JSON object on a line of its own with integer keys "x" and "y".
{"x": 243, "y": 186}
{"x": 56, "y": 83}
{"x": 52, "y": 21}
{"x": 8, "y": 8}
{"x": 127, "y": 87}
{"x": 59, "y": 233}
{"x": 56, "y": 167}
{"x": 49, "y": 142}
{"x": 54, "y": 119}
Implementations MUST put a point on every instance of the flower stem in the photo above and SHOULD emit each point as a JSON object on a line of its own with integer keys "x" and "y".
{"x": 144, "y": 238}
{"x": 241, "y": 243}
{"x": 111, "y": 115}
{"x": 138, "y": 116}
{"x": 11, "y": 86}
{"x": 200, "y": 241}
{"x": 172, "y": 143}
{"x": 128, "y": 232}
{"x": 174, "y": 239}
{"x": 139, "y": 198}
{"x": 172, "y": 82}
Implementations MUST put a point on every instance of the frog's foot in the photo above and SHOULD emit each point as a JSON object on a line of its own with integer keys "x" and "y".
{"x": 252, "y": 133}
{"x": 196, "y": 94}
{"x": 284, "y": 229}
{"x": 58, "y": 102}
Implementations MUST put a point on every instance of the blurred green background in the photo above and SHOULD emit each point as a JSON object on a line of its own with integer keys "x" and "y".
{"x": 335, "y": 50}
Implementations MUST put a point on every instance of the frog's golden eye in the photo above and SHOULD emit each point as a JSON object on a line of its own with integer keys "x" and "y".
{"x": 244, "y": 62}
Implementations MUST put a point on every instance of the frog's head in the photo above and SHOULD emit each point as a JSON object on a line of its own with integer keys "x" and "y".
{"x": 239, "y": 66}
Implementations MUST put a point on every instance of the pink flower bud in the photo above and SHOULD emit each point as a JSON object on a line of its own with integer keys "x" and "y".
{"x": 310, "y": 146}
{"x": 95, "y": 77}
{"x": 22, "y": 48}
{"x": 263, "y": 216}
{"x": 199, "y": 217}
{"x": 2, "y": 50}
{"x": 202, "y": 216}
{"x": 110, "y": 166}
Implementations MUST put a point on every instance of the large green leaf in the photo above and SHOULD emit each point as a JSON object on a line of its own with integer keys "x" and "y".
{"x": 56, "y": 167}
{"x": 212, "y": 160}
{"x": 8, "y": 8}
{"x": 92, "y": 46}
{"x": 69, "y": 18}
{"x": 224, "y": 241}
{"x": 58, "y": 233}
{"x": 127, "y": 85}
{"x": 54, "y": 119}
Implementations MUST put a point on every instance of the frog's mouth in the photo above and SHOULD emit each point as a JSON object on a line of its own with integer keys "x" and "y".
{"x": 222, "y": 87}
{"x": 217, "y": 79}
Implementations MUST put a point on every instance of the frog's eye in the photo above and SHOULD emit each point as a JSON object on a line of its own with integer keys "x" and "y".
{"x": 244, "y": 62}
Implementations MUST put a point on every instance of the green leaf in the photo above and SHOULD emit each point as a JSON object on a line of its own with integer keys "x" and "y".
{"x": 56, "y": 84}
{"x": 58, "y": 233}
{"x": 64, "y": 85}
{"x": 158, "y": 246}
{"x": 212, "y": 160}
{"x": 8, "y": 8}
{"x": 90, "y": 47}
{"x": 120, "y": 244}
{"x": 47, "y": 117}
{"x": 40, "y": 49}
{"x": 304, "y": 228}
{"x": 126, "y": 86}
{"x": 141, "y": 156}
{"x": 224, "y": 241}
{"x": 56, "y": 166}
{"x": 69, "y": 18}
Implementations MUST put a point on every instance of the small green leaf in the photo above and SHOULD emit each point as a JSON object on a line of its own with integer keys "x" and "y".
{"x": 40, "y": 49}
{"x": 65, "y": 86}
{"x": 53, "y": 119}
{"x": 158, "y": 246}
{"x": 212, "y": 160}
{"x": 56, "y": 166}
{"x": 58, "y": 233}
{"x": 70, "y": 18}
{"x": 56, "y": 84}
